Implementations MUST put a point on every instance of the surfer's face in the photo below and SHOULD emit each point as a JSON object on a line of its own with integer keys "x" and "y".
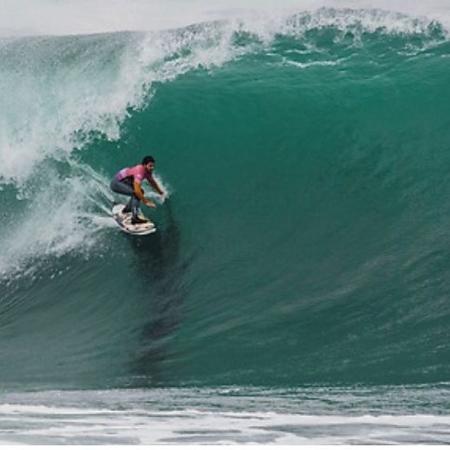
{"x": 150, "y": 166}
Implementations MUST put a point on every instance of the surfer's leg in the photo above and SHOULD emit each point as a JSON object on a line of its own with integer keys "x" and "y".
{"x": 127, "y": 208}
{"x": 121, "y": 188}
{"x": 133, "y": 204}
{"x": 126, "y": 189}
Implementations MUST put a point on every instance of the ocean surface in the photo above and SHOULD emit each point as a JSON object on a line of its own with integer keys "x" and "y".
{"x": 297, "y": 288}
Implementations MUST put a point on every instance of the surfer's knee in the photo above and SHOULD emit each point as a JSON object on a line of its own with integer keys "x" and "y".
{"x": 112, "y": 185}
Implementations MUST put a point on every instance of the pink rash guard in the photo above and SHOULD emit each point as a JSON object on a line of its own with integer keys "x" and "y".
{"x": 138, "y": 173}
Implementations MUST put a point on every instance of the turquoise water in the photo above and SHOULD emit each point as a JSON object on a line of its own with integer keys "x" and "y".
{"x": 304, "y": 240}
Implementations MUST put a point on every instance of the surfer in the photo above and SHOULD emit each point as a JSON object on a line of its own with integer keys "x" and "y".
{"x": 128, "y": 182}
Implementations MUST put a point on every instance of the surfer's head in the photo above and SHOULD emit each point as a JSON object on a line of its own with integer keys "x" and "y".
{"x": 148, "y": 162}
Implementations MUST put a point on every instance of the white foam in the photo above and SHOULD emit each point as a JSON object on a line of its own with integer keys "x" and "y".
{"x": 167, "y": 189}
{"x": 313, "y": 415}
{"x": 56, "y": 222}
{"x": 147, "y": 426}
{"x": 310, "y": 64}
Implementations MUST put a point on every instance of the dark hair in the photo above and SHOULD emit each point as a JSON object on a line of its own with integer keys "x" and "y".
{"x": 148, "y": 159}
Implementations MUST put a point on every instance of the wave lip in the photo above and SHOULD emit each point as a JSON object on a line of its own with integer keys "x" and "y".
{"x": 76, "y": 87}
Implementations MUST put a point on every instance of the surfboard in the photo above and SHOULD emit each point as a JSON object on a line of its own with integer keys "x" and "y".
{"x": 124, "y": 222}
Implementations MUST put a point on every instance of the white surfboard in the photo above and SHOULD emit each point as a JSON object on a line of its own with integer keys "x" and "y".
{"x": 124, "y": 222}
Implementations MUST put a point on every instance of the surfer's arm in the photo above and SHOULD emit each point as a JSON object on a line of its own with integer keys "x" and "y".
{"x": 155, "y": 186}
{"x": 139, "y": 193}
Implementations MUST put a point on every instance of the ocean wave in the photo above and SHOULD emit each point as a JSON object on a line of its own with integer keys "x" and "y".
{"x": 306, "y": 235}
{"x": 75, "y": 87}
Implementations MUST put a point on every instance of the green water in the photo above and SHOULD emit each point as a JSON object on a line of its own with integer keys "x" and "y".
{"x": 305, "y": 238}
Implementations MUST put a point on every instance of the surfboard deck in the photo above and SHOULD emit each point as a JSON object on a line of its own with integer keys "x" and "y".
{"x": 124, "y": 222}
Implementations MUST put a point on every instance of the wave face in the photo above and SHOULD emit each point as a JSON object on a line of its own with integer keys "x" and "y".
{"x": 305, "y": 236}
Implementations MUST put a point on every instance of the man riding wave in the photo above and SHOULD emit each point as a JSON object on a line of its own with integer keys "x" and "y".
{"x": 128, "y": 182}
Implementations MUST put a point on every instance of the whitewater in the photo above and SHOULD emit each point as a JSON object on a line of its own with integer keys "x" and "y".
{"x": 297, "y": 288}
